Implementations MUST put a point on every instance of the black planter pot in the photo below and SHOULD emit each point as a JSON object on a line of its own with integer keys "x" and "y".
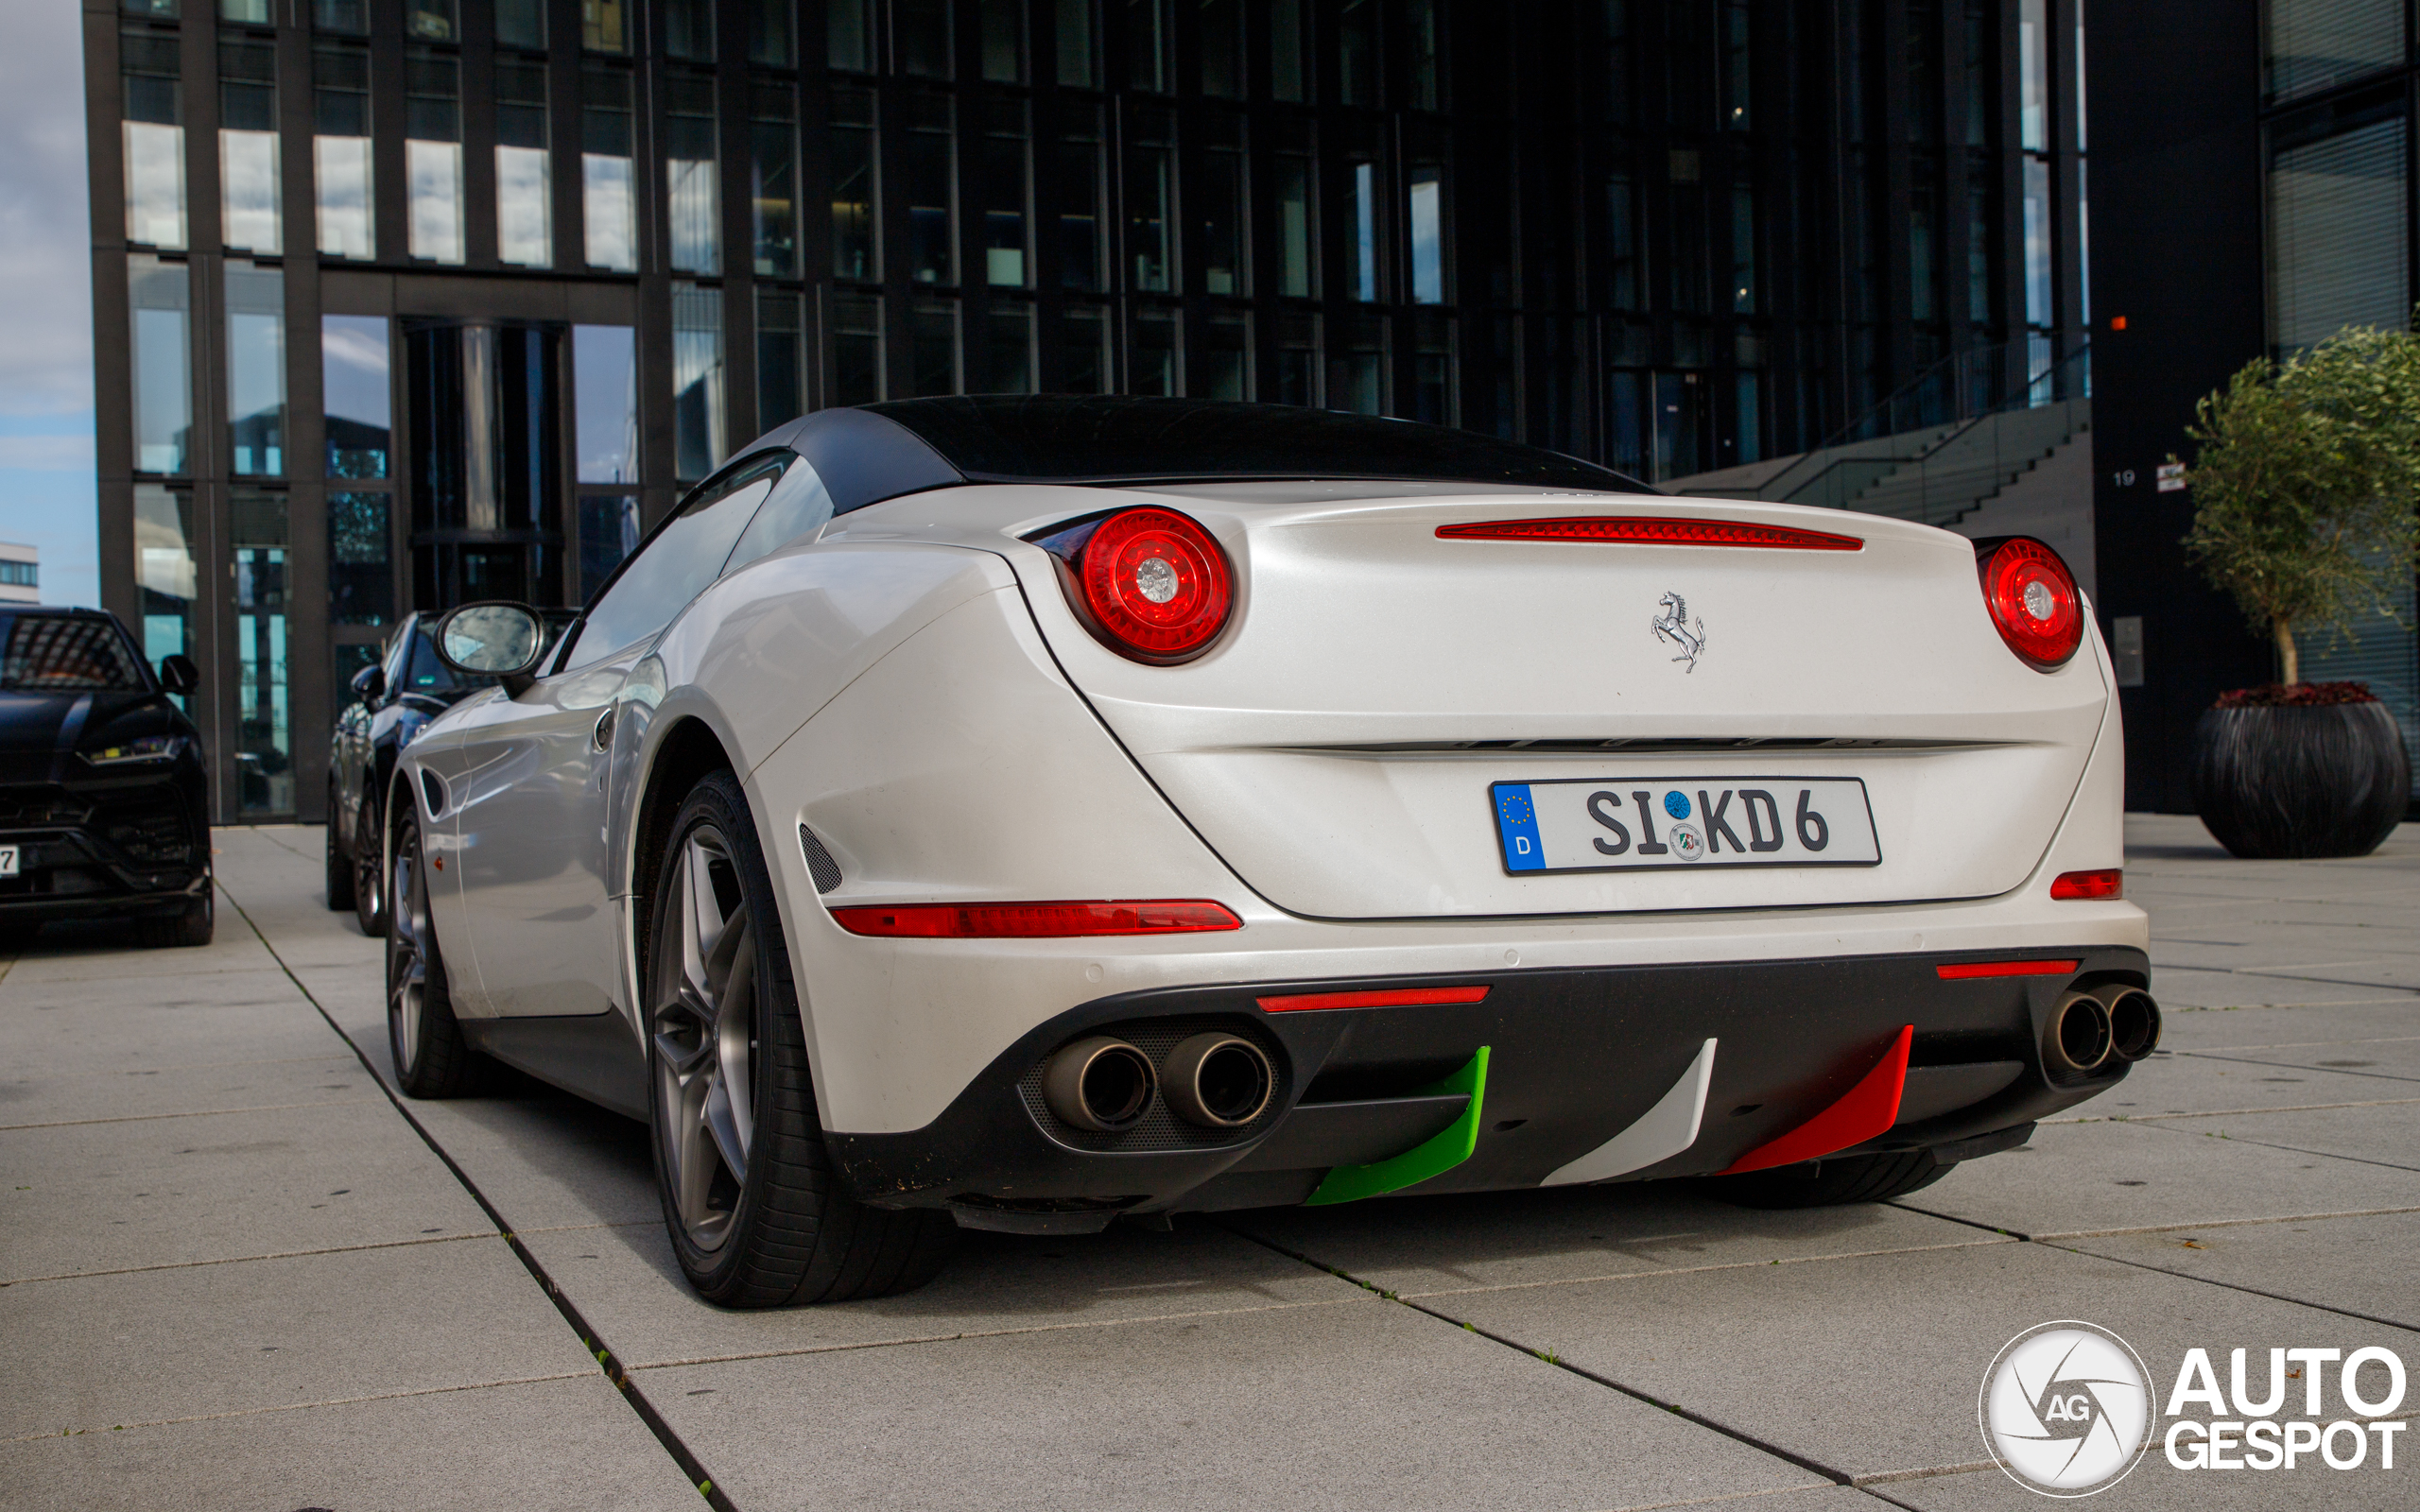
{"x": 2293, "y": 783}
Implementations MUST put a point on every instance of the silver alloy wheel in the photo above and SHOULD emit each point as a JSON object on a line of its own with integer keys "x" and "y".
{"x": 703, "y": 1017}
{"x": 407, "y": 954}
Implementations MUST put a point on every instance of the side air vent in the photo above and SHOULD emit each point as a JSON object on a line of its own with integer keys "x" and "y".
{"x": 819, "y": 864}
{"x": 432, "y": 792}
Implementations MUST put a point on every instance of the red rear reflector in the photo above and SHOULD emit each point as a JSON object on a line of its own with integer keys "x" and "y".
{"x": 1033, "y": 921}
{"x": 2109, "y": 883}
{"x": 1652, "y": 531}
{"x": 1963, "y": 970}
{"x": 1398, "y": 997}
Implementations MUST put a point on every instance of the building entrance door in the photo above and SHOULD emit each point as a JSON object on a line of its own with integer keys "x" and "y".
{"x": 486, "y": 462}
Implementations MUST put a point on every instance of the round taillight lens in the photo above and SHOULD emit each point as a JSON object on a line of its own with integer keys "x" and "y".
{"x": 1156, "y": 584}
{"x": 2033, "y": 602}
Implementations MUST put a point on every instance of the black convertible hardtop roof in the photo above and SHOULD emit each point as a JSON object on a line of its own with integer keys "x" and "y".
{"x": 877, "y": 451}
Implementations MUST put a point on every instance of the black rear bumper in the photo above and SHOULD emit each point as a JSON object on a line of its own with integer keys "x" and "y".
{"x": 1575, "y": 1057}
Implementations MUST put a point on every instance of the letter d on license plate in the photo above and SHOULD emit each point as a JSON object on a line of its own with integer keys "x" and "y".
{"x": 1629, "y": 823}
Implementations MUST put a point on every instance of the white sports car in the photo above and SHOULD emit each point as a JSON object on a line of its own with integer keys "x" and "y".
{"x": 1021, "y": 813}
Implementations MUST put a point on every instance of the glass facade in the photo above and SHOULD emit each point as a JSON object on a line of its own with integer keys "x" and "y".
{"x": 1670, "y": 237}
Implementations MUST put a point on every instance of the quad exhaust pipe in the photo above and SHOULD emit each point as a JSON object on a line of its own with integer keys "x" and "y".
{"x": 2088, "y": 1030}
{"x": 1099, "y": 1083}
{"x": 1104, "y": 1085}
{"x": 1217, "y": 1081}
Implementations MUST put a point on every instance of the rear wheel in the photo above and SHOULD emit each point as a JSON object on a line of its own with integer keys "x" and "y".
{"x": 757, "y": 1214}
{"x": 340, "y": 866}
{"x": 1833, "y": 1183}
{"x": 432, "y": 1056}
{"x": 191, "y": 925}
{"x": 368, "y": 871}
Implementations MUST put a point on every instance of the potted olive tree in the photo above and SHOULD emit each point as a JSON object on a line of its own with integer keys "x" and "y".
{"x": 2305, "y": 487}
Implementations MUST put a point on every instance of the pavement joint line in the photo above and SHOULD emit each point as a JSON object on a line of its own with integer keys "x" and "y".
{"x": 608, "y": 1361}
{"x": 2296, "y": 1065}
{"x": 205, "y": 1065}
{"x": 2236, "y": 1112}
{"x": 977, "y": 1334}
{"x": 583, "y": 1228}
{"x": 1695, "y": 1270}
{"x": 2251, "y": 1291}
{"x": 241, "y": 1259}
{"x": 2161, "y": 1227}
{"x": 302, "y": 1406}
{"x": 2308, "y": 1045}
{"x": 198, "y": 1112}
{"x": 1788, "y": 1456}
{"x": 1932, "y": 1472}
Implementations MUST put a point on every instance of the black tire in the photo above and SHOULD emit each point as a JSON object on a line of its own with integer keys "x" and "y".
{"x": 432, "y": 1056}
{"x": 1833, "y": 1183}
{"x": 340, "y": 865}
{"x": 784, "y": 1230}
{"x": 368, "y": 871}
{"x": 191, "y": 925}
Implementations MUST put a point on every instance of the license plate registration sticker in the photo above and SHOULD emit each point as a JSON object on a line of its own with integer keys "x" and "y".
{"x": 1631, "y": 823}
{"x": 7, "y": 860}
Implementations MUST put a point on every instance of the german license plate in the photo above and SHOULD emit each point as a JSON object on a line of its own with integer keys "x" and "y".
{"x": 1632, "y": 823}
{"x": 7, "y": 860}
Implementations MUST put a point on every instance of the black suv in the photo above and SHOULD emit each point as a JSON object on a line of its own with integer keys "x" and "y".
{"x": 394, "y": 699}
{"x": 104, "y": 794}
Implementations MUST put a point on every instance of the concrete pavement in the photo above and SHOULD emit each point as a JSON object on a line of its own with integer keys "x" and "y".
{"x": 233, "y": 1272}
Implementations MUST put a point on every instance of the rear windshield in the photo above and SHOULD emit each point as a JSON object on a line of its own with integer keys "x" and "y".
{"x": 1054, "y": 438}
{"x": 59, "y": 653}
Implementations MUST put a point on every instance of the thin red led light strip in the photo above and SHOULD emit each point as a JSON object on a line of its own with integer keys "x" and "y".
{"x": 1033, "y": 921}
{"x": 1398, "y": 997}
{"x": 1963, "y": 971}
{"x": 1646, "y": 530}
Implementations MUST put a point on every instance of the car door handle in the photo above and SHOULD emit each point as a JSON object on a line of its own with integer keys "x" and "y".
{"x": 604, "y": 736}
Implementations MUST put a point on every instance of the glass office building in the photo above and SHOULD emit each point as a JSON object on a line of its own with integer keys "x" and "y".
{"x": 409, "y": 302}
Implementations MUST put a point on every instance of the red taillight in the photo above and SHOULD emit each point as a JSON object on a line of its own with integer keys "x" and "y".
{"x": 1970, "y": 971}
{"x": 2089, "y": 885}
{"x": 1152, "y": 585}
{"x": 1642, "y": 530}
{"x": 1393, "y": 997}
{"x": 1034, "y": 921}
{"x": 2034, "y": 601}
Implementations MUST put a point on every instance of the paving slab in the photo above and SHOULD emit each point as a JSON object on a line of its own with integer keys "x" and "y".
{"x": 559, "y": 1446}
{"x": 2359, "y": 1265}
{"x": 32, "y": 1092}
{"x": 2188, "y": 987}
{"x": 94, "y": 1351}
{"x": 2386, "y": 1135}
{"x": 1368, "y": 1405}
{"x": 2378, "y": 1061}
{"x": 2078, "y": 1179}
{"x": 627, "y": 1284}
{"x": 91, "y": 1198}
{"x": 1870, "y": 1365}
{"x": 2157, "y": 1486}
{"x": 546, "y": 1159}
{"x": 1416, "y": 1245}
{"x": 2169, "y": 1083}
{"x": 2201, "y": 1029}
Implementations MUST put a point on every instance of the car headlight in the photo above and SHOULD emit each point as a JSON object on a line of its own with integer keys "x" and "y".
{"x": 146, "y": 748}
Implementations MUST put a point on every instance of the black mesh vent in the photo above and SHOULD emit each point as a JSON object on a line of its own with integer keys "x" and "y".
{"x": 1161, "y": 1129}
{"x": 819, "y": 864}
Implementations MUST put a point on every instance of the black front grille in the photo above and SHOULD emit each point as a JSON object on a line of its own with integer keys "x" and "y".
{"x": 1159, "y": 1128}
{"x": 150, "y": 829}
{"x": 53, "y": 806}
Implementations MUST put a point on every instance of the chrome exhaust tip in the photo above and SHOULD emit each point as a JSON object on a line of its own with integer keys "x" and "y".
{"x": 1099, "y": 1083}
{"x": 2134, "y": 1022}
{"x": 1218, "y": 1080}
{"x": 2077, "y": 1039}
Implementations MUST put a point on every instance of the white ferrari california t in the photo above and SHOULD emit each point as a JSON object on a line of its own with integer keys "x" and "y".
{"x": 1022, "y": 813}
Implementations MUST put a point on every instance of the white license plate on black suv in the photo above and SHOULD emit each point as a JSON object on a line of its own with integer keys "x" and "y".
{"x": 1629, "y": 823}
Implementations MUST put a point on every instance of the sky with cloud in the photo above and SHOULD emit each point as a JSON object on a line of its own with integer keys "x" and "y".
{"x": 47, "y": 494}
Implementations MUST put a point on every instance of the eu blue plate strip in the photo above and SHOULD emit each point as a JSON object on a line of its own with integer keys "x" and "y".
{"x": 1516, "y": 821}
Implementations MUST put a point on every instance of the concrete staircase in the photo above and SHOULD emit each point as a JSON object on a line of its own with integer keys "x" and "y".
{"x": 1957, "y": 469}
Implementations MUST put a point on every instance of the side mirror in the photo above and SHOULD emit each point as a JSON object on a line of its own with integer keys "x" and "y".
{"x": 369, "y": 682}
{"x": 494, "y": 639}
{"x": 177, "y": 675}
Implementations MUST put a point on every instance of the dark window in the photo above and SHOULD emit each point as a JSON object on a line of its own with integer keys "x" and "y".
{"x": 59, "y": 653}
{"x": 1055, "y": 439}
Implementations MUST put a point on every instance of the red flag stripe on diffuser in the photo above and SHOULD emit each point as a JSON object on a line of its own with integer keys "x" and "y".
{"x": 1870, "y": 1108}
